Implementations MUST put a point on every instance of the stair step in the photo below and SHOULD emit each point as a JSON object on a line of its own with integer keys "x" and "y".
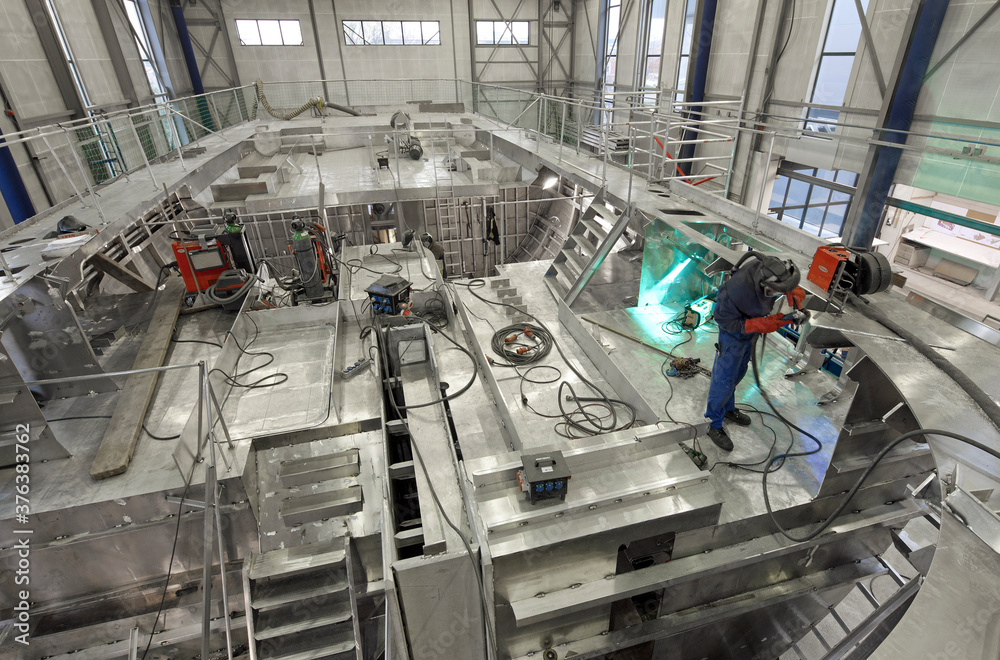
{"x": 319, "y": 506}
{"x": 297, "y": 559}
{"x": 272, "y": 594}
{"x": 293, "y": 620}
{"x": 595, "y": 228}
{"x": 604, "y": 212}
{"x": 319, "y": 468}
{"x": 576, "y": 263}
{"x": 588, "y": 248}
{"x": 333, "y": 642}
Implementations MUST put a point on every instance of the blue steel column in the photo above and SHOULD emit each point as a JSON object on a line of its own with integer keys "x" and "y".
{"x": 15, "y": 195}
{"x": 881, "y": 162}
{"x": 697, "y": 95}
{"x": 177, "y": 8}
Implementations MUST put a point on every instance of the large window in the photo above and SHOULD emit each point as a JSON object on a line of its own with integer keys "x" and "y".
{"x": 685, "y": 55}
{"x": 654, "y": 49}
{"x": 254, "y": 32}
{"x": 142, "y": 42}
{"x": 612, "y": 25}
{"x": 502, "y": 33}
{"x": 835, "y": 63}
{"x": 812, "y": 199}
{"x": 392, "y": 33}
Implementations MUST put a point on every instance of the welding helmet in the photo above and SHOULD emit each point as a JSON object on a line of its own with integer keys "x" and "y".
{"x": 427, "y": 240}
{"x": 777, "y": 276}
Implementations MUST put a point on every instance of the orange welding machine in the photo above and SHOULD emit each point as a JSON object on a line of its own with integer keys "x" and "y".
{"x": 200, "y": 264}
{"x": 826, "y": 264}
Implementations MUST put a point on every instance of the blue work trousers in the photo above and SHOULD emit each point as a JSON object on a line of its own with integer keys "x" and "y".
{"x": 730, "y": 366}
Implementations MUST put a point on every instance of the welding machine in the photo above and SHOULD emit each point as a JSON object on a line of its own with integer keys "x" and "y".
{"x": 201, "y": 262}
{"x": 840, "y": 271}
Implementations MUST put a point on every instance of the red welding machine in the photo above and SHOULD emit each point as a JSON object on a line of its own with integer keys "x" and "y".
{"x": 200, "y": 265}
{"x": 825, "y": 265}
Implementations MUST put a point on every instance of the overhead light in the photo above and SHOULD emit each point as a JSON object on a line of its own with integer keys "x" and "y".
{"x": 551, "y": 181}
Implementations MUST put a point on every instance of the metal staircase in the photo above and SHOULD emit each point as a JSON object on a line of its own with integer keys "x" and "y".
{"x": 589, "y": 243}
{"x": 302, "y": 603}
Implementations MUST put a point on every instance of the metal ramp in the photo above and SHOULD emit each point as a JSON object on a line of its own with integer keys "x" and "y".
{"x": 589, "y": 243}
{"x": 301, "y": 603}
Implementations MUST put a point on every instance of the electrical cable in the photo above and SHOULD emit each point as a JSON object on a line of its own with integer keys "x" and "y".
{"x": 864, "y": 476}
{"x": 280, "y": 377}
{"x": 170, "y": 562}
{"x": 598, "y": 427}
{"x": 67, "y": 419}
{"x": 158, "y": 437}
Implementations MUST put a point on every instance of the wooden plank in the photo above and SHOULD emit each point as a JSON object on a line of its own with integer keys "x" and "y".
{"x": 116, "y": 448}
{"x": 120, "y": 273}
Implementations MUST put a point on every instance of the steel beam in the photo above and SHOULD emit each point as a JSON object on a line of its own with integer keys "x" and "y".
{"x": 49, "y": 40}
{"x": 870, "y": 43}
{"x": 965, "y": 37}
{"x": 912, "y": 59}
{"x": 115, "y": 52}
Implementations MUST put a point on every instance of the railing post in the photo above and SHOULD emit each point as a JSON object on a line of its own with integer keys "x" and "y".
{"x": 76, "y": 191}
{"x": 177, "y": 136}
{"x": 579, "y": 128}
{"x": 86, "y": 179}
{"x": 649, "y": 153}
{"x": 562, "y": 130}
{"x": 663, "y": 159}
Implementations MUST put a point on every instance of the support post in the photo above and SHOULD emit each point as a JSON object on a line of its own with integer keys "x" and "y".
{"x": 865, "y": 211}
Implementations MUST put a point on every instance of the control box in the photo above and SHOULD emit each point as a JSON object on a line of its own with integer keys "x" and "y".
{"x": 389, "y": 294}
{"x": 543, "y": 476}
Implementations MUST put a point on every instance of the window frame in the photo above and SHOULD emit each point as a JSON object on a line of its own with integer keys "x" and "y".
{"x": 816, "y": 119}
{"x": 509, "y": 29}
{"x": 281, "y": 31}
{"x": 347, "y": 30}
{"x": 810, "y": 176}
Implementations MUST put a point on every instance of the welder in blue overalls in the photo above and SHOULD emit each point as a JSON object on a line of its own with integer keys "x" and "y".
{"x": 743, "y": 310}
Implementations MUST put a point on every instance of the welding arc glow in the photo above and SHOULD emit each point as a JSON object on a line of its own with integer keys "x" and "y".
{"x": 655, "y": 294}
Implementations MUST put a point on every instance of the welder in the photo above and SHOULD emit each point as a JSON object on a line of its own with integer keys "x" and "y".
{"x": 743, "y": 311}
{"x": 434, "y": 248}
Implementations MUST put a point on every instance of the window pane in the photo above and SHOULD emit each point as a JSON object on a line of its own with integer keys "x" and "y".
{"x": 613, "y": 15}
{"x": 831, "y": 81}
{"x": 848, "y": 177}
{"x": 411, "y": 33}
{"x": 373, "y": 32}
{"x": 834, "y": 219}
{"x": 839, "y": 197}
{"x": 521, "y": 32}
{"x": 352, "y": 33}
{"x": 610, "y": 71}
{"x": 270, "y": 33}
{"x": 501, "y": 29}
{"x": 248, "y": 33}
{"x": 814, "y": 219}
{"x": 688, "y": 28}
{"x": 393, "y": 33}
{"x": 682, "y": 73}
{"x": 845, "y": 29}
{"x": 820, "y": 195}
{"x": 652, "y": 71}
{"x": 824, "y": 117}
{"x": 778, "y": 192}
{"x": 656, "y": 22}
{"x": 484, "y": 32}
{"x": 793, "y": 216}
{"x": 826, "y": 174}
{"x": 291, "y": 34}
{"x": 797, "y": 192}
{"x": 432, "y": 32}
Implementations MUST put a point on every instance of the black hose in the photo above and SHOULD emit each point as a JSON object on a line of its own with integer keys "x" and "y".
{"x": 982, "y": 399}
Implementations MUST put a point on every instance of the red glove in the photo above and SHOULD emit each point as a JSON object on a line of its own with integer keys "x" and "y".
{"x": 795, "y": 297}
{"x": 765, "y": 324}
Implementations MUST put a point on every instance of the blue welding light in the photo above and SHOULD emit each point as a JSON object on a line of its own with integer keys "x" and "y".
{"x": 654, "y": 295}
